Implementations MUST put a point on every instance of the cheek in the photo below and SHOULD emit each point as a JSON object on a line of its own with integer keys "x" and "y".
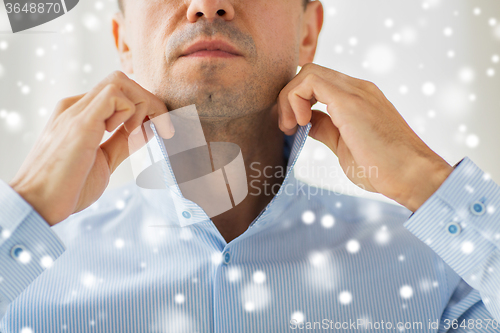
{"x": 149, "y": 37}
{"x": 278, "y": 34}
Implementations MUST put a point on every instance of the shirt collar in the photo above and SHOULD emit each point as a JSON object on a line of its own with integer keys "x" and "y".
{"x": 187, "y": 212}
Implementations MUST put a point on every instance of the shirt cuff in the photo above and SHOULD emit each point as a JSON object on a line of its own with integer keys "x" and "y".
{"x": 28, "y": 246}
{"x": 459, "y": 221}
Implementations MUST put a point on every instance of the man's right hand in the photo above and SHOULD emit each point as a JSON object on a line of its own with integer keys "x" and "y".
{"x": 68, "y": 169}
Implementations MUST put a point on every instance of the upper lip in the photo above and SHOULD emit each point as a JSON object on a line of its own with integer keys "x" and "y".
{"x": 210, "y": 45}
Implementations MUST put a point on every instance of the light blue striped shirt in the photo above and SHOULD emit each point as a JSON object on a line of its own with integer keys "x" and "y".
{"x": 315, "y": 263}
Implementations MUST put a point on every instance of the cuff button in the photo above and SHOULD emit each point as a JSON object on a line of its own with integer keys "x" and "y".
{"x": 477, "y": 208}
{"x": 453, "y": 228}
{"x": 19, "y": 253}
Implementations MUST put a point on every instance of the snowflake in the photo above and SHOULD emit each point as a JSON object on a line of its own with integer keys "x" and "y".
{"x": 6, "y": 233}
{"x": 216, "y": 258}
{"x": 466, "y": 74}
{"x": 327, "y": 221}
{"x": 40, "y": 52}
{"x": 308, "y": 217}
{"x": 467, "y": 247}
{"x": 259, "y": 277}
{"x": 24, "y": 257}
{"x": 345, "y": 297}
{"x": 179, "y": 298}
{"x": 472, "y": 141}
{"x": 406, "y": 291}
{"x": 352, "y": 246}
{"x": 46, "y": 261}
{"x": 428, "y": 88}
{"x": 298, "y": 317}
{"x": 119, "y": 243}
{"x": 120, "y": 204}
{"x": 233, "y": 274}
{"x": 40, "y": 76}
{"x": 382, "y": 236}
{"x": 88, "y": 279}
{"x": 249, "y": 306}
{"x": 317, "y": 258}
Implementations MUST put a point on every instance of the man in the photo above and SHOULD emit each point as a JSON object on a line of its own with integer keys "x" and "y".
{"x": 274, "y": 263}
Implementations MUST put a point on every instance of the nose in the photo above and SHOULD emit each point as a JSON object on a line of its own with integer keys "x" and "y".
{"x": 210, "y": 9}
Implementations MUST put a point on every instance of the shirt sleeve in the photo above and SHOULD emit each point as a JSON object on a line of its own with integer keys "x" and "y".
{"x": 28, "y": 246}
{"x": 461, "y": 223}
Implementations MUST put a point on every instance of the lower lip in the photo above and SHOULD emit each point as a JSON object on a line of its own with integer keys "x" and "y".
{"x": 211, "y": 54}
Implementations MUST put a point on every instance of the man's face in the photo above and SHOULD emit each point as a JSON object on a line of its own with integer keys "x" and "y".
{"x": 260, "y": 42}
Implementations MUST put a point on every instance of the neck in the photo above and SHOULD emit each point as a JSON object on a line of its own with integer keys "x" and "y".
{"x": 261, "y": 143}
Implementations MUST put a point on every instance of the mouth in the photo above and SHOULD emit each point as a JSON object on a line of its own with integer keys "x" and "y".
{"x": 211, "y": 49}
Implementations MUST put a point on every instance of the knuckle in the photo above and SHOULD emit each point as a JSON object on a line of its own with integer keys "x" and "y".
{"x": 111, "y": 89}
{"x": 148, "y": 105}
{"x": 63, "y": 104}
{"x": 308, "y": 66}
{"x": 369, "y": 86}
{"x": 311, "y": 78}
{"x": 356, "y": 100}
{"x": 117, "y": 76}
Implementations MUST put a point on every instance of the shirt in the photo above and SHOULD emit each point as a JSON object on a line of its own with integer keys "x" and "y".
{"x": 311, "y": 261}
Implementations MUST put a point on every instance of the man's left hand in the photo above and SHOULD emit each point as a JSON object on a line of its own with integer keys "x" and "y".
{"x": 376, "y": 148}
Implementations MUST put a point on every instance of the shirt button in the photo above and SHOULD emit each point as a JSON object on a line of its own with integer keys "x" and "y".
{"x": 19, "y": 253}
{"x": 453, "y": 228}
{"x": 477, "y": 208}
{"x": 186, "y": 214}
{"x": 226, "y": 257}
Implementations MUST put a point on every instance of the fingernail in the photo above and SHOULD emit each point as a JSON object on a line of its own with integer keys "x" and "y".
{"x": 137, "y": 130}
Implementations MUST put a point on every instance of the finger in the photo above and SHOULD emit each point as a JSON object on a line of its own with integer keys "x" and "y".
{"x": 164, "y": 126}
{"x": 287, "y": 131}
{"x": 116, "y": 78}
{"x": 324, "y": 130}
{"x": 122, "y": 144}
{"x": 163, "y": 122}
{"x": 110, "y": 106}
{"x": 64, "y": 104}
{"x": 333, "y": 95}
{"x": 146, "y": 103}
{"x": 287, "y": 118}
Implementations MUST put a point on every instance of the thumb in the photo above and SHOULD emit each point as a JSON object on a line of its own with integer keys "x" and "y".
{"x": 122, "y": 144}
{"x": 324, "y": 130}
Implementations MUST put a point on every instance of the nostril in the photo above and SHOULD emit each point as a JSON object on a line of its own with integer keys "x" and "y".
{"x": 199, "y": 14}
{"x": 221, "y": 12}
